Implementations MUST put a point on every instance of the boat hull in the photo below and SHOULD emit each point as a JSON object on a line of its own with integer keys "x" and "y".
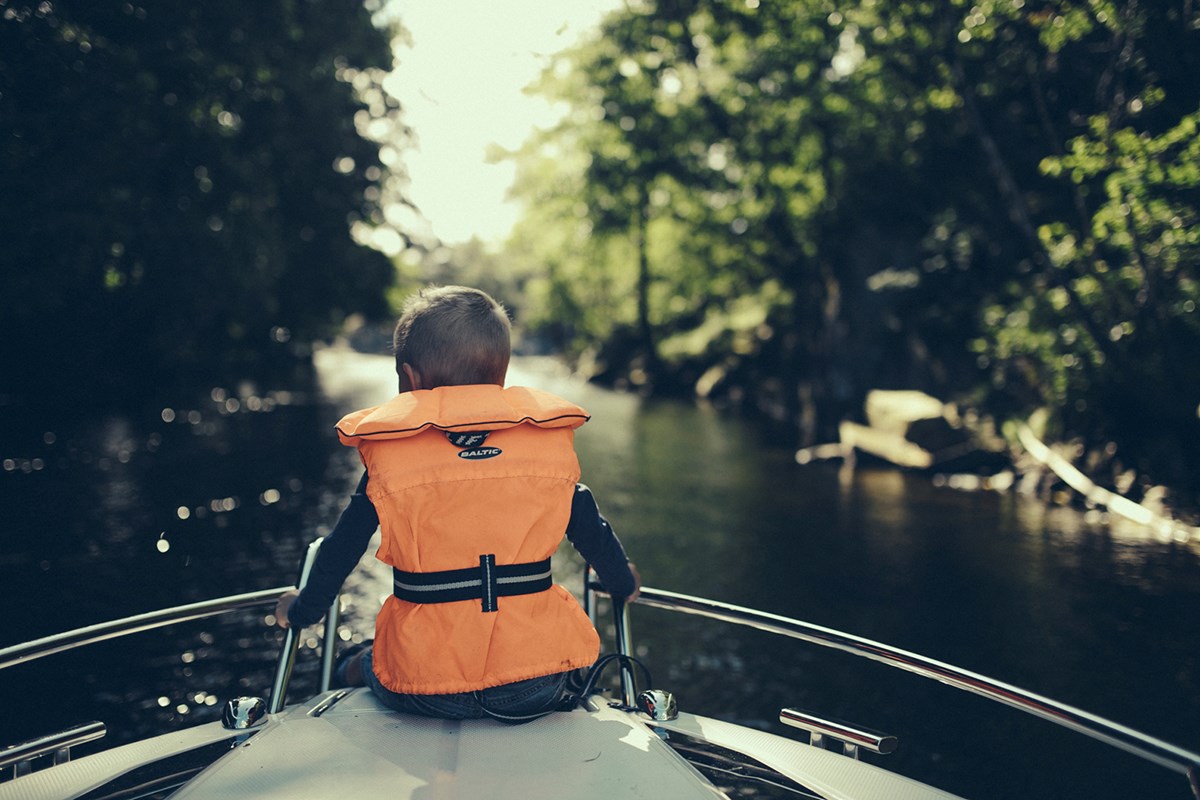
{"x": 348, "y": 744}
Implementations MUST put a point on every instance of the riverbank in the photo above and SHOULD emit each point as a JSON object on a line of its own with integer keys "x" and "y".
{"x": 910, "y": 430}
{"x": 965, "y": 450}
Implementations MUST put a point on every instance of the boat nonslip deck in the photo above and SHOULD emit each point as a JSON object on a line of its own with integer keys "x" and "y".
{"x": 342, "y": 743}
{"x": 357, "y": 748}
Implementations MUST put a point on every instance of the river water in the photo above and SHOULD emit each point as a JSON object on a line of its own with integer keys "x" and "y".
{"x": 218, "y": 495}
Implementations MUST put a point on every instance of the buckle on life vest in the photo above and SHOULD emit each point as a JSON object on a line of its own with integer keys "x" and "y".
{"x": 487, "y": 583}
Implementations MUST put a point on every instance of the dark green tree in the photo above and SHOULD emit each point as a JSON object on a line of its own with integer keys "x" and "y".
{"x": 179, "y": 183}
{"x": 990, "y": 200}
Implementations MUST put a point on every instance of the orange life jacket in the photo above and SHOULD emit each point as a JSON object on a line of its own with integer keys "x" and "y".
{"x": 443, "y": 505}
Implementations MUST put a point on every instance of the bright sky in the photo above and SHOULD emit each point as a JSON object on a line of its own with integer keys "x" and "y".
{"x": 460, "y": 85}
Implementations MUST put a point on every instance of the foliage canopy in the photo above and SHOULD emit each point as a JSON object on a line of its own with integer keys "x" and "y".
{"x": 796, "y": 202}
{"x": 178, "y": 185}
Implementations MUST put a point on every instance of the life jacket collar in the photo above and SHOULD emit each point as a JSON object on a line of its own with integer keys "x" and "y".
{"x": 477, "y": 408}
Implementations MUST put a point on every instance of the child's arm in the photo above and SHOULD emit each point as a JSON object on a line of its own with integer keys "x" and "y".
{"x": 596, "y": 541}
{"x": 339, "y": 555}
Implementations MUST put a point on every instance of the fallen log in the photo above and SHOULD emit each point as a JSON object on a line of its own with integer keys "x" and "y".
{"x": 884, "y": 444}
{"x": 913, "y": 430}
{"x": 1165, "y": 527}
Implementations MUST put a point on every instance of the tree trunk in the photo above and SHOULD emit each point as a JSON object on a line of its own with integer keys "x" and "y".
{"x": 641, "y": 220}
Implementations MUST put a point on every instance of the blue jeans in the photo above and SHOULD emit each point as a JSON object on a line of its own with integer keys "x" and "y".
{"x": 517, "y": 702}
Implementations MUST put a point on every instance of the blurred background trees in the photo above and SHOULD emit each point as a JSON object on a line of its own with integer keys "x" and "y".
{"x": 775, "y": 205}
{"x": 178, "y": 183}
{"x": 784, "y": 205}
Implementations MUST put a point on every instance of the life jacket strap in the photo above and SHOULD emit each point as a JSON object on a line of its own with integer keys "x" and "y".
{"x": 486, "y": 583}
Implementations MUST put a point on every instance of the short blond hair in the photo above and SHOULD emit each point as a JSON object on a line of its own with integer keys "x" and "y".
{"x": 453, "y": 336}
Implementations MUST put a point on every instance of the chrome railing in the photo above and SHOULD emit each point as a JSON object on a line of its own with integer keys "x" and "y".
{"x": 1114, "y": 734}
{"x": 621, "y": 632}
{"x": 103, "y": 631}
{"x": 114, "y": 629}
{"x": 1119, "y": 736}
{"x": 851, "y": 736}
{"x": 21, "y": 756}
{"x": 291, "y": 641}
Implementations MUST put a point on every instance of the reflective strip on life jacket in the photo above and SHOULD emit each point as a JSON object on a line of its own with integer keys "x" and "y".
{"x": 487, "y": 582}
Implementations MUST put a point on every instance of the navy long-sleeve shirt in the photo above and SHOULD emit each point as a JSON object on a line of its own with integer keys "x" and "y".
{"x": 342, "y": 549}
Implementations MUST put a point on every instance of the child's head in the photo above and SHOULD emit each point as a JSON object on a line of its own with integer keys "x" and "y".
{"x": 451, "y": 336}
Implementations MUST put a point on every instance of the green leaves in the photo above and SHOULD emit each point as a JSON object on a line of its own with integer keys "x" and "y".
{"x": 987, "y": 197}
{"x": 180, "y": 181}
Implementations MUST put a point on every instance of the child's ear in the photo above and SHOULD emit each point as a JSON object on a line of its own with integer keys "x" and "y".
{"x": 410, "y": 379}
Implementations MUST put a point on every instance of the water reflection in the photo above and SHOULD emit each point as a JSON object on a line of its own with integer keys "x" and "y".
{"x": 218, "y": 494}
{"x": 118, "y": 515}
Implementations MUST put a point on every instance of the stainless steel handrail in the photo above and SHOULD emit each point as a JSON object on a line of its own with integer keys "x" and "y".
{"x": 1123, "y": 738}
{"x": 59, "y": 744}
{"x": 27, "y": 651}
{"x": 851, "y": 736}
{"x": 291, "y": 641}
{"x": 624, "y": 636}
{"x": 621, "y": 632}
{"x": 91, "y": 634}
{"x": 329, "y": 645}
{"x": 103, "y": 631}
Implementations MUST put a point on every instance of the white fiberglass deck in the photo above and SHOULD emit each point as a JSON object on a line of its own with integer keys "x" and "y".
{"x": 360, "y": 749}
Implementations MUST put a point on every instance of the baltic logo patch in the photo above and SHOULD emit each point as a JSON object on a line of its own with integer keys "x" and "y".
{"x": 478, "y": 453}
{"x": 471, "y": 445}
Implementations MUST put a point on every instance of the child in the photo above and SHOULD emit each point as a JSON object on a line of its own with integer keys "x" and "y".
{"x": 473, "y": 486}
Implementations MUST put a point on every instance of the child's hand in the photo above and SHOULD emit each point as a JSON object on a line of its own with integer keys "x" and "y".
{"x": 637, "y": 584}
{"x": 282, "y": 605}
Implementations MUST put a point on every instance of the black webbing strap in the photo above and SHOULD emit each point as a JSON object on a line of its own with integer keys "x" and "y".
{"x": 486, "y": 583}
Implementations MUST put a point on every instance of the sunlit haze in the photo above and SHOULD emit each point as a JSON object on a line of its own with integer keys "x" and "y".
{"x": 461, "y": 86}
